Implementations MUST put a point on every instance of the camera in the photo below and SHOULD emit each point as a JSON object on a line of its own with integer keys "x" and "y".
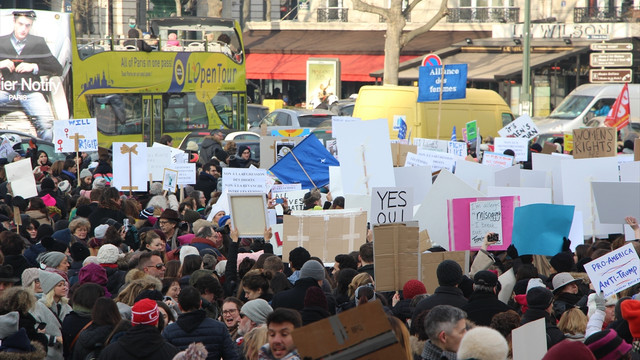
{"x": 223, "y": 230}
{"x": 493, "y": 237}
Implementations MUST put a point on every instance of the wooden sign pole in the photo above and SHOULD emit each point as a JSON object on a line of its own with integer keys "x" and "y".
{"x": 124, "y": 149}
{"x": 440, "y": 102}
{"x": 76, "y": 140}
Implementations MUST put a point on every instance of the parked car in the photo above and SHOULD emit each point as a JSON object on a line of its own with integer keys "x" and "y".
{"x": 255, "y": 113}
{"x": 47, "y": 146}
{"x": 242, "y": 135}
{"x": 343, "y": 107}
{"x": 285, "y": 119}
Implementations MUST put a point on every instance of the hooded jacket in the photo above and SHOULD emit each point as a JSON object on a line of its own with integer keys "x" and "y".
{"x": 91, "y": 338}
{"x": 94, "y": 273}
{"x": 140, "y": 342}
{"x": 208, "y": 149}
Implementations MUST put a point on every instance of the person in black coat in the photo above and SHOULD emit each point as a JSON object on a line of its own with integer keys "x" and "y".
{"x": 105, "y": 316}
{"x": 209, "y": 146}
{"x": 108, "y": 208}
{"x": 83, "y": 300}
{"x": 484, "y": 303}
{"x": 193, "y": 325}
{"x": 315, "y": 306}
{"x": 311, "y": 274}
{"x": 12, "y": 245}
{"x": 449, "y": 275}
{"x": 143, "y": 340}
{"x": 540, "y": 301}
{"x": 207, "y": 181}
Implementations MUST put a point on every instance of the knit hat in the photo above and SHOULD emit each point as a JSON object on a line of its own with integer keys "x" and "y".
{"x": 449, "y": 273}
{"x": 563, "y": 262}
{"x": 29, "y": 275}
{"x": 483, "y": 343}
{"x": 412, "y": 288}
{"x": 242, "y": 148}
{"x": 534, "y": 282}
{"x": 312, "y": 269}
{"x": 85, "y": 173}
{"x": 99, "y": 183}
{"x": 145, "y": 312}
{"x": 485, "y": 278}
{"x": 90, "y": 260}
{"x": 631, "y": 312}
{"x": 223, "y": 220}
{"x": 79, "y": 251}
{"x": 257, "y": 310}
{"x": 191, "y": 216}
{"x": 145, "y": 213}
{"x": 539, "y": 298}
{"x": 18, "y": 343}
{"x": 8, "y": 324}
{"x": 567, "y": 349}
{"x": 315, "y": 297}
{"x": 607, "y": 345}
{"x": 187, "y": 250}
{"x": 169, "y": 214}
{"x": 195, "y": 351}
{"x": 108, "y": 254}
{"x": 100, "y": 231}
{"x": 48, "y": 280}
{"x": 155, "y": 188}
{"x": 52, "y": 258}
{"x": 47, "y": 184}
{"x": 561, "y": 280}
{"x": 64, "y": 186}
{"x": 11, "y": 155}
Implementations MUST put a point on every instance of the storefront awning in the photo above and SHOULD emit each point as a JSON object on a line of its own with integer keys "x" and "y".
{"x": 294, "y": 66}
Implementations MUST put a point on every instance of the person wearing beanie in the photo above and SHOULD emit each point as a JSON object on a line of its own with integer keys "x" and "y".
{"x": 312, "y": 274}
{"x": 402, "y": 309}
{"x": 17, "y": 346}
{"x": 253, "y": 314}
{"x": 449, "y": 274}
{"x": 483, "y": 303}
{"x": 195, "y": 351}
{"x": 55, "y": 260}
{"x": 143, "y": 340}
{"x": 567, "y": 349}
{"x": 31, "y": 280}
{"x": 315, "y": 306}
{"x": 540, "y": 303}
{"x": 630, "y": 310}
{"x": 79, "y": 251}
{"x": 483, "y": 343}
{"x": 242, "y": 159}
{"x": 193, "y": 325}
{"x": 108, "y": 256}
{"x": 186, "y": 251}
{"x": 607, "y": 345}
{"x": 51, "y": 309}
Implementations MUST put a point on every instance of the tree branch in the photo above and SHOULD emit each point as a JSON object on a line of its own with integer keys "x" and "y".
{"x": 360, "y": 5}
{"x": 442, "y": 12}
{"x": 410, "y": 7}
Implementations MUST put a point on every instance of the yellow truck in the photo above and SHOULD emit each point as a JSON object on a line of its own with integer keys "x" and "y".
{"x": 486, "y": 106}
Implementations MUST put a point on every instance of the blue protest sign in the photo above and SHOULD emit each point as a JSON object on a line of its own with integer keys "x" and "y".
{"x": 455, "y": 82}
{"x": 538, "y": 229}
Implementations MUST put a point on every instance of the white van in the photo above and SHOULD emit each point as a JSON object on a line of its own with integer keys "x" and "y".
{"x": 585, "y": 103}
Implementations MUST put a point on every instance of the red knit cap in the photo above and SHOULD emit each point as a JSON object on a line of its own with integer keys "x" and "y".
{"x": 567, "y": 349}
{"x": 631, "y": 313}
{"x": 412, "y": 288}
{"x": 145, "y": 312}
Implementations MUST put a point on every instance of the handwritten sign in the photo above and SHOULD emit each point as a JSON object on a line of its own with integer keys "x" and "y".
{"x": 432, "y": 144}
{"x": 522, "y": 127}
{"x": 66, "y": 132}
{"x": 235, "y": 180}
{"x": 485, "y": 216}
{"x": 391, "y": 205}
{"x": 499, "y": 160}
{"x": 186, "y": 173}
{"x": 438, "y": 160}
{"x": 295, "y": 198}
{"x": 594, "y": 142}
{"x": 415, "y": 160}
{"x": 158, "y": 158}
{"x": 278, "y": 188}
{"x": 614, "y": 271}
{"x": 458, "y": 148}
{"x": 520, "y": 147}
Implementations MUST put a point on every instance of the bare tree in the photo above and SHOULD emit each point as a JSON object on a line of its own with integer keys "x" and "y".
{"x": 395, "y": 39}
{"x": 267, "y": 12}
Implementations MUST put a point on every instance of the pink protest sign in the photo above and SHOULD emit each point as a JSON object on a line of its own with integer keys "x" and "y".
{"x": 464, "y": 233}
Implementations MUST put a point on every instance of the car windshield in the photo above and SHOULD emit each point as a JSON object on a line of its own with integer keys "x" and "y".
{"x": 312, "y": 120}
{"x": 571, "y": 107}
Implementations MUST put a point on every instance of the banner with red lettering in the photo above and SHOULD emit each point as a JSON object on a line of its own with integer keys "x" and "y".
{"x": 619, "y": 115}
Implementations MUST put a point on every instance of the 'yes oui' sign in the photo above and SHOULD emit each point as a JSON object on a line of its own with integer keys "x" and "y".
{"x": 391, "y": 205}
{"x": 614, "y": 271}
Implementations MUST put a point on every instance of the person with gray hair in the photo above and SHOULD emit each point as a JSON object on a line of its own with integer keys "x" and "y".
{"x": 445, "y": 326}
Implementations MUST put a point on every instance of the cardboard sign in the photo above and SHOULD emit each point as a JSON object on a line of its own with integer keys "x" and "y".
{"x": 522, "y": 127}
{"x": 400, "y": 152}
{"x": 438, "y": 160}
{"x": 236, "y": 180}
{"x": 169, "y": 180}
{"x": 186, "y": 173}
{"x": 430, "y": 262}
{"x": 66, "y": 132}
{"x": 530, "y": 341}
{"x": 324, "y": 233}
{"x": 472, "y": 130}
{"x": 431, "y": 144}
{"x": 548, "y": 148}
{"x": 396, "y": 249}
{"x": 130, "y": 166}
{"x": 616, "y": 200}
{"x": 250, "y": 210}
{"x": 458, "y": 148}
{"x": 636, "y": 150}
{"x": 20, "y": 175}
{"x": 615, "y": 271}
{"x": 594, "y": 142}
{"x": 538, "y": 229}
{"x": 391, "y": 205}
{"x": 359, "y": 333}
{"x": 495, "y": 159}
{"x": 470, "y": 219}
{"x": 295, "y": 199}
{"x": 520, "y": 147}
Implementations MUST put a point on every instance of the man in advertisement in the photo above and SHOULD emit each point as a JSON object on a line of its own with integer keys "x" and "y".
{"x": 24, "y": 58}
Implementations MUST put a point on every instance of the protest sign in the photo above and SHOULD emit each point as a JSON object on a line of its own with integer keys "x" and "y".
{"x": 279, "y": 188}
{"x": 399, "y": 153}
{"x": 177, "y": 155}
{"x": 432, "y": 144}
{"x": 429, "y": 263}
{"x": 66, "y": 133}
{"x": 548, "y": 148}
{"x": 20, "y": 176}
{"x": 325, "y": 233}
{"x": 438, "y": 160}
{"x": 520, "y": 147}
{"x": 396, "y": 249}
{"x": 169, "y": 180}
{"x": 534, "y": 178}
{"x": 237, "y": 180}
{"x": 458, "y": 148}
{"x": 341, "y": 119}
{"x": 568, "y": 143}
{"x": 268, "y": 152}
{"x": 248, "y": 213}
{"x": 335, "y": 183}
{"x": 614, "y": 271}
{"x": 295, "y": 198}
{"x": 636, "y": 150}
{"x": 576, "y": 234}
{"x": 495, "y": 159}
{"x": 594, "y": 142}
{"x": 332, "y": 147}
{"x": 550, "y": 165}
{"x": 430, "y": 82}
{"x": 470, "y": 219}
{"x": 530, "y": 340}
{"x": 522, "y": 127}
{"x": 630, "y": 172}
{"x": 527, "y": 195}
{"x": 158, "y": 158}
{"x": 472, "y": 130}
{"x": 478, "y": 176}
{"x": 538, "y": 229}
{"x": 418, "y": 178}
{"x": 391, "y": 205}
{"x": 186, "y": 173}
{"x": 130, "y": 166}
{"x": 616, "y": 200}
{"x": 415, "y": 160}
{"x": 509, "y": 177}
{"x": 221, "y": 205}
{"x": 283, "y": 148}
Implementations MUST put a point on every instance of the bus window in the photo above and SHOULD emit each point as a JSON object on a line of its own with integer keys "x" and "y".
{"x": 117, "y": 114}
{"x": 222, "y": 103}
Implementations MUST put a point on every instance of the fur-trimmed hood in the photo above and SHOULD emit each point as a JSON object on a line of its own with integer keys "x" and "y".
{"x": 416, "y": 346}
{"x": 38, "y": 354}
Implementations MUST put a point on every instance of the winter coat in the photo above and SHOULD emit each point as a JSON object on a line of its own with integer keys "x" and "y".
{"x": 311, "y": 314}
{"x": 38, "y": 353}
{"x": 195, "y": 326}
{"x": 294, "y": 297}
{"x": 554, "y": 335}
{"x": 164, "y": 202}
{"x": 482, "y": 306}
{"x": 208, "y": 149}
{"x": 139, "y": 342}
{"x": 39, "y": 216}
{"x": 71, "y": 326}
{"x": 207, "y": 184}
{"x": 566, "y": 301}
{"x": 403, "y": 309}
{"x": 31, "y": 254}
{"x": 115, "y": 279}
{"x": 100, "y": 215}
{"x": 43, "y": 314}
{"x": 89, "y": 340}
{"x": 368, "y": 269}
{"x": 443, "y": 295}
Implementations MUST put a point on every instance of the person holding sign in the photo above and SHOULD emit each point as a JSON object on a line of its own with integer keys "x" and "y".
{"x": 540, "y": 301}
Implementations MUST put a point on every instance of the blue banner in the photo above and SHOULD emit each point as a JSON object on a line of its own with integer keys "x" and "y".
{"x": 455, "y": 82}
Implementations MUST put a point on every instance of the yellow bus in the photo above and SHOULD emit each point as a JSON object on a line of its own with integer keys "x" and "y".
{"x": 189, "y": 76}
